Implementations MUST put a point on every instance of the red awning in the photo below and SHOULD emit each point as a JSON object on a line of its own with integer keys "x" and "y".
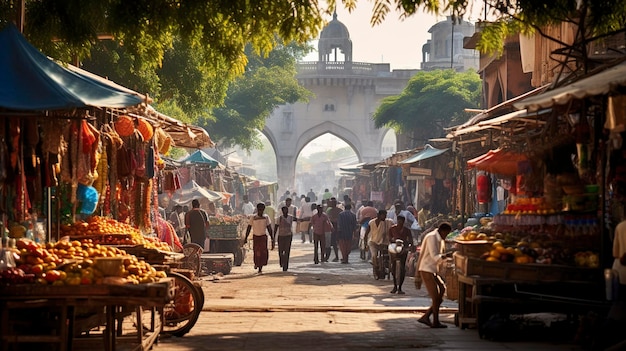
{"x": 497, "y": 161}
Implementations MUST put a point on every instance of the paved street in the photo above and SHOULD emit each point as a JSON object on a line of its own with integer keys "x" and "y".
{"x": 330, "y": 306}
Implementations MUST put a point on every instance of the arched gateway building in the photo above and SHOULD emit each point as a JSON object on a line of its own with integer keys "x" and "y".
{"x": 346, "y": 94}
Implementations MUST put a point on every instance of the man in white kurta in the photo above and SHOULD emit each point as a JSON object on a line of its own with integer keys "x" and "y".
{"x": 430, "y": 255}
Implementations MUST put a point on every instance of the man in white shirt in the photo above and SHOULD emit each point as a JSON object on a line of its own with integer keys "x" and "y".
{"x": 430, "y": 255}
{"x": 304, "y": 222}
{"x": 377, "y": 237}
{"x": 399, "y": 210}
{"x": 247, "y": 207}
{"x": 260, "y": 225}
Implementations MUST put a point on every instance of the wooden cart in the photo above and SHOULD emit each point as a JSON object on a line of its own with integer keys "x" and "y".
{"x": 83, "y": 316}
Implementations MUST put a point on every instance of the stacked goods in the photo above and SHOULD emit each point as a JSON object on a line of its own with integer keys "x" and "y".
{"x": 109, "y": 231}
{"x": 78, "y": 263}
{"x": 225, "y": 227}
{"x": 543, "y": 253}
{"x": 225, "y": 220}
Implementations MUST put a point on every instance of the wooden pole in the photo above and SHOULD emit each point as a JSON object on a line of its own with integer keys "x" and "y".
{"x": 20, "y": 15}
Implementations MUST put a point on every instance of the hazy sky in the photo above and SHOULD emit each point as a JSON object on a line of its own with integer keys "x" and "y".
{"x": 394, "y": 41}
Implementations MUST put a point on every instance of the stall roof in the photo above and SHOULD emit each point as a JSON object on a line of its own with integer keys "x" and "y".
{"x": 352, "y": 168}
{"x": 596, "y": 84}
{"x": 200, "y": 157}
{"x": 498, "y": 161}
{"x": 424, "y": 154}
{"x": 498, "y": 110}
{"x": 193, "y": 191}
{"x": 30, "y": 81}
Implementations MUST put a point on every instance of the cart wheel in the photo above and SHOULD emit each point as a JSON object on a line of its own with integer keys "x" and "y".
{"x": 193, "y": 258}
{"x": 182, "y": 313}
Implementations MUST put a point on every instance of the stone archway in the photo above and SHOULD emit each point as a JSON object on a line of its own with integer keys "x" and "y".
{"x": 332, "y": 128}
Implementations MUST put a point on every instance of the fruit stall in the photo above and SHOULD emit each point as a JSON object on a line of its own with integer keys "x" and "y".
{"x": 549, "y": 247}
{"x": 80, "y": 172}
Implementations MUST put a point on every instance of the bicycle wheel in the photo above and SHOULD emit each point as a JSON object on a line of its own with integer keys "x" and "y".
{"x": 182, "y": 313}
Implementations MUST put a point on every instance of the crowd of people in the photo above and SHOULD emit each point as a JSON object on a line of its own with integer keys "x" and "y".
{"x": 335, "y": 228}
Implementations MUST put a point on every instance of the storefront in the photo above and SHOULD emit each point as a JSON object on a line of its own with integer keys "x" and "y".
{"x": 548, "y": 249}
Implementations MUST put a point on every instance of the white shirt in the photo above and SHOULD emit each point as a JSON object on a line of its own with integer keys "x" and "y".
{"x": 408, "y": 216}
{"x": 306, "y": 211}
{"x": 379, "y": 233}
{"x": 247, "y": 208}
{"x": 430, "y": 252}
{"x": 259, "y": 224}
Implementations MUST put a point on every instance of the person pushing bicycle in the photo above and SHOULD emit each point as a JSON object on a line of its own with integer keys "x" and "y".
{"x": 399, "y": 232}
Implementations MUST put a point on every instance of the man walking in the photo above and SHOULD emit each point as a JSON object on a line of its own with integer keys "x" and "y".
{"x": 430, "y": 255}
{"x": 333, "y": 215}
{"x": 197, "y": 223}
{"x": 376, "y": 237}
{"x": 259, "y": 224}
{"x": 399, "y": 232}
{"x": 304, "y": 222}
{"x": 247, "y": 208}
{"x": 346, "y": 224}
{"x": 321, "y": 225}
{"x": 284, "y": 234}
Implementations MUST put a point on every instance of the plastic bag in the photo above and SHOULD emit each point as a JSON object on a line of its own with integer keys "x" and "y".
{"x": 88, "y": 196}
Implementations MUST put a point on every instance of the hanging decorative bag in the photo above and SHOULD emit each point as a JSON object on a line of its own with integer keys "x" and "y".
{"x": 125, "y": 126}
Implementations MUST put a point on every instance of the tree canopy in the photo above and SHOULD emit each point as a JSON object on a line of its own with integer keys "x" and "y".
{"x": 432, "y": 100}
{"x": 251, "y": 98}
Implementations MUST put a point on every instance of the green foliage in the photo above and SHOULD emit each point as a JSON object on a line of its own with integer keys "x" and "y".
{"x": 431, "y": 100}
{"x": 249, "y": 102}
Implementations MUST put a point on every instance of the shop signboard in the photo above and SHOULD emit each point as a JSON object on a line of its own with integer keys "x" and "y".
{"x": 420, "y": 171}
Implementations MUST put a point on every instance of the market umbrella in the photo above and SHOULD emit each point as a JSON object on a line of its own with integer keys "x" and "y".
{"x": 193, "y": 191}
{"x": 201, "y": 157}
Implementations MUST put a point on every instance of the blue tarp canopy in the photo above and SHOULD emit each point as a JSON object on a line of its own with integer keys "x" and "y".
{"x": 31, "y": 81}
{"x": 201, "y": 157}
{"x": 424, "y": 154}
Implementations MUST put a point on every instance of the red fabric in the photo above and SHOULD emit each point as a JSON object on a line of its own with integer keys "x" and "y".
{"x": 483, "y": 187}
{"x": 259, "y": 246}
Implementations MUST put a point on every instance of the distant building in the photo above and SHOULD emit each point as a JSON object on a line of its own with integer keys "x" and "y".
{"x": 445, "y": 50}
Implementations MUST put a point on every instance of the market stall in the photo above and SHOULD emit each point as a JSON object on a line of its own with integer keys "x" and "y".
{"x": 548, "y": 249}
{"x": 80, "y": 156}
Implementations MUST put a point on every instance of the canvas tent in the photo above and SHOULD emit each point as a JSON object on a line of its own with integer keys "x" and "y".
{"x": 31, "y": 81}
{"x": 200, "y": 157}
{"x": 193, "y": 191}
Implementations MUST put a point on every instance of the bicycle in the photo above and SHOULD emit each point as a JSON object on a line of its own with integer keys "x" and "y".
{"x": 398, "y": 249}
{"x": 382, "y": 269}
{"x": 181, "y": 314}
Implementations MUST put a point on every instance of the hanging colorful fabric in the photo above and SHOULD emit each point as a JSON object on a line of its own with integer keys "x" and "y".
{"x": 483, "y": 188}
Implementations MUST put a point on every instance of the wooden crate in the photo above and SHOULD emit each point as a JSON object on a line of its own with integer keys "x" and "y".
{"x": 470, "y": 266}
{"x": 221, "y": 263}
{"x": 473, "y": 248}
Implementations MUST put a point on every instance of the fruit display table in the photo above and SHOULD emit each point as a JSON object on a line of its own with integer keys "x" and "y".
{"x": 83, "y": 316}
{"x": 487, "y": 288}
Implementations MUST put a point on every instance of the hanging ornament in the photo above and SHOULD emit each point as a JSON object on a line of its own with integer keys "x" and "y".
{"x": 125, "y": 126}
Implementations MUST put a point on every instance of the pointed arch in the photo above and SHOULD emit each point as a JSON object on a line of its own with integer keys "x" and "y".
{"x": 332, "y": 128}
